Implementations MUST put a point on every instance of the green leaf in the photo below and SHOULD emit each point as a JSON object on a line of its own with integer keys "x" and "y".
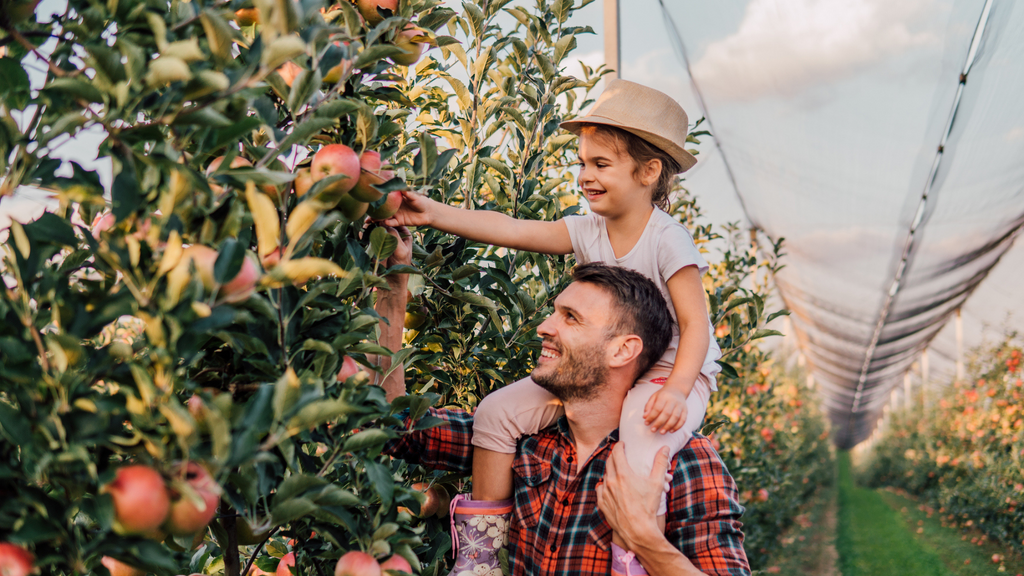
{"x": 304, "y": 131}
{"x": 124, "y": 192}
{"x": 764, "y": 334}
{"x": 292, "y": 509}
{"x": 14, "y": 85}
{"x": 476, "y": 300}
{"x": 366, "y": 440}
{"x": 73, "y": 87}
{"x": 338, "y": 108}
{"x": 296, "y": 485}
{"x": 727, "y": 369}
{"x": 382, "y": 244}
{"x": 775, "y": 315}
{"x": 303, "y": 88}
{"x": 383, "y": 483}
{"x": 374, "y": 54}
{"x": 229, "y": 261}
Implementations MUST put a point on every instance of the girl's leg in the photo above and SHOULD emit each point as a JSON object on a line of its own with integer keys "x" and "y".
{"x": 642, "y": 445}
{"x": 501, "y": 418}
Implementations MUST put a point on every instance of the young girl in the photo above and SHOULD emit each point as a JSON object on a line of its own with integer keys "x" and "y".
{"x": 631, "y": 147}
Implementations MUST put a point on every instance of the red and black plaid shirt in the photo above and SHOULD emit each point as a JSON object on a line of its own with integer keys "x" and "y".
{"x": 556, "y": 526}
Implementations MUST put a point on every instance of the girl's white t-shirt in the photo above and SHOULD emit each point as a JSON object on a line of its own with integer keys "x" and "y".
{"x": 664, "y": 248}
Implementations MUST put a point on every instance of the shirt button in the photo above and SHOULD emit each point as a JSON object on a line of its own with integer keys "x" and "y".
{"x": 565, "y": 502}
{"x": 553, "y": 548}
{"x": 569, "y": 459}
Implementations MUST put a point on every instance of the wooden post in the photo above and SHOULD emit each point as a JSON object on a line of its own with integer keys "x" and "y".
{"x": 612, "y": 50}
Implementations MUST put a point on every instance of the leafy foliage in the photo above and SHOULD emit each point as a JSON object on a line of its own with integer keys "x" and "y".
{"x": 963, "y": 453}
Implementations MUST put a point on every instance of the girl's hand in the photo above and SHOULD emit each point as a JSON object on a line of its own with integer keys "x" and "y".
{"x": 414, "y": 211}
{"x": 666, "y": 410}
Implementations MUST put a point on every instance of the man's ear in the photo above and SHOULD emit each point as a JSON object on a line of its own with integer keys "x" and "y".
{"x": 625, "y": 350}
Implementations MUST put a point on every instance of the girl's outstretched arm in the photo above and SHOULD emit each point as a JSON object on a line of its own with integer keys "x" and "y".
{"x": 483, "y": 225}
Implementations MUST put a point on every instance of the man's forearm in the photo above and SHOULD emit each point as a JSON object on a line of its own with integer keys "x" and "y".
{"x": 658, "y": 556}
{"x": 391, "y": 306}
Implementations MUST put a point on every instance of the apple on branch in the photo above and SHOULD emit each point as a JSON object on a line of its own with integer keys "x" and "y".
{"x": 141, "y": 501}
{"x": 191, "y": 513}
{"x": 368, "y": 8}
{"x": 332, "y": 160}
{"x": 15, "y": 560}
{"x": 357, "y": 563}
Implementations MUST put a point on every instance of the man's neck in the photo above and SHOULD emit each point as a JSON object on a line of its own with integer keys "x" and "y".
{"x": 591, "y": 421}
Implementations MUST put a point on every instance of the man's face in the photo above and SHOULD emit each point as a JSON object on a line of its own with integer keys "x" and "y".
{"x": 573, "y": 363}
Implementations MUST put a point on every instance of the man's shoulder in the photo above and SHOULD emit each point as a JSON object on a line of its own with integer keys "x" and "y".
{"x": 699, "y": 459}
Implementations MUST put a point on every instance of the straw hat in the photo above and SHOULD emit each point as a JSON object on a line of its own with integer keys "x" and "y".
{"x": 646, "y": 112}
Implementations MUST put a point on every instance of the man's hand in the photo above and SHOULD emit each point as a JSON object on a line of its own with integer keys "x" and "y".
{"x": 403, "y": 253}
{"x": 630, "y": 502}
{"x": 666, "y": 410}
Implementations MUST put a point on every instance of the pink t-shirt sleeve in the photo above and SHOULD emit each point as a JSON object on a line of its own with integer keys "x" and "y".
{"x": 676, "y": 250}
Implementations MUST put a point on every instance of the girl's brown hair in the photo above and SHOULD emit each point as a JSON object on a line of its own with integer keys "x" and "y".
{"x": 642, "y": 152}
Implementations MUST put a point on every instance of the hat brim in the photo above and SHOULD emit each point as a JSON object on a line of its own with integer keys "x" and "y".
{"x": 677, "y": 152}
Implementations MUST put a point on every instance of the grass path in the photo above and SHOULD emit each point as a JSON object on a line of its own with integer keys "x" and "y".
{"x": 873, "y": 539}
{"x": 882, "y": 532}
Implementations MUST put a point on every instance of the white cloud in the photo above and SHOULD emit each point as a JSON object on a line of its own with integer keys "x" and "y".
{"x": 785, "y": 46}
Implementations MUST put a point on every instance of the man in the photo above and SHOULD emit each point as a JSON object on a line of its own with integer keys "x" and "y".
{"x": 572, "y": 483}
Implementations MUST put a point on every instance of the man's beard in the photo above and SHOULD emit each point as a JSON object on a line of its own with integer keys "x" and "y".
{"x": 579, "y": 375}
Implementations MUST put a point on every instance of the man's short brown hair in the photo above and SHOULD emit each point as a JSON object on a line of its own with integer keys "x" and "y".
{"x": 641, "y": 308}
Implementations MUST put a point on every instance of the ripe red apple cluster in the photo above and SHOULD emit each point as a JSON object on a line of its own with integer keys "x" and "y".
{"x": 354, "y": 193}
{"x": 145, "y": 505}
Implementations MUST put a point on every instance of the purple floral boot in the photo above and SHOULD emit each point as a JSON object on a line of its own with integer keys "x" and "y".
{"x": 479, "y": 531}
{"x": 624, "y": 563}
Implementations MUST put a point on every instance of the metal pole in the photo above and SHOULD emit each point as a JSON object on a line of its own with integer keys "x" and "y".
{"x": 959, "y": 347}
{"x": 612, "y": 50}
{"x": 924, "y": 377}
{"x": 906, "y": 391}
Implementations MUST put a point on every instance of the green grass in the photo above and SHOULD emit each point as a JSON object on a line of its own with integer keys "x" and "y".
{"x": 963, "y": 557}
{"x": 873, "y": 539}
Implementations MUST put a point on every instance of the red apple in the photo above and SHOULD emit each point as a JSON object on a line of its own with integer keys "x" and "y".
{"x": 370, "y": 176}
{"x": 349, "y": 368}
{"x": 389, "y": 208}
{"x": 284, "y": 567}
{"x": 368, "y": 8}
{"x": 303, "y": 181}
{"x": 288, "y": 72}
{"x": 351, "y": 208}
{"x": 15, "y": 560}
{"x": 336, "y": 159}
{"x": 236, "y": 162}
{"x": 396, "y": 562}
{"x": 238, "y": 289}
{"x": 357, "y": 563}
{"x": 141, "y": 501}
{"x": 413, "y": 48}
{"x": 437, "y": 500}
{"x": 118, "y": 568}
{"x": 247, "y": 16}
{"x": 188, "y": 516}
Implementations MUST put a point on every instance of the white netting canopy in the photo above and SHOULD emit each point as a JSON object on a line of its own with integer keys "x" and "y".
{"x": 884, "y": 141}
